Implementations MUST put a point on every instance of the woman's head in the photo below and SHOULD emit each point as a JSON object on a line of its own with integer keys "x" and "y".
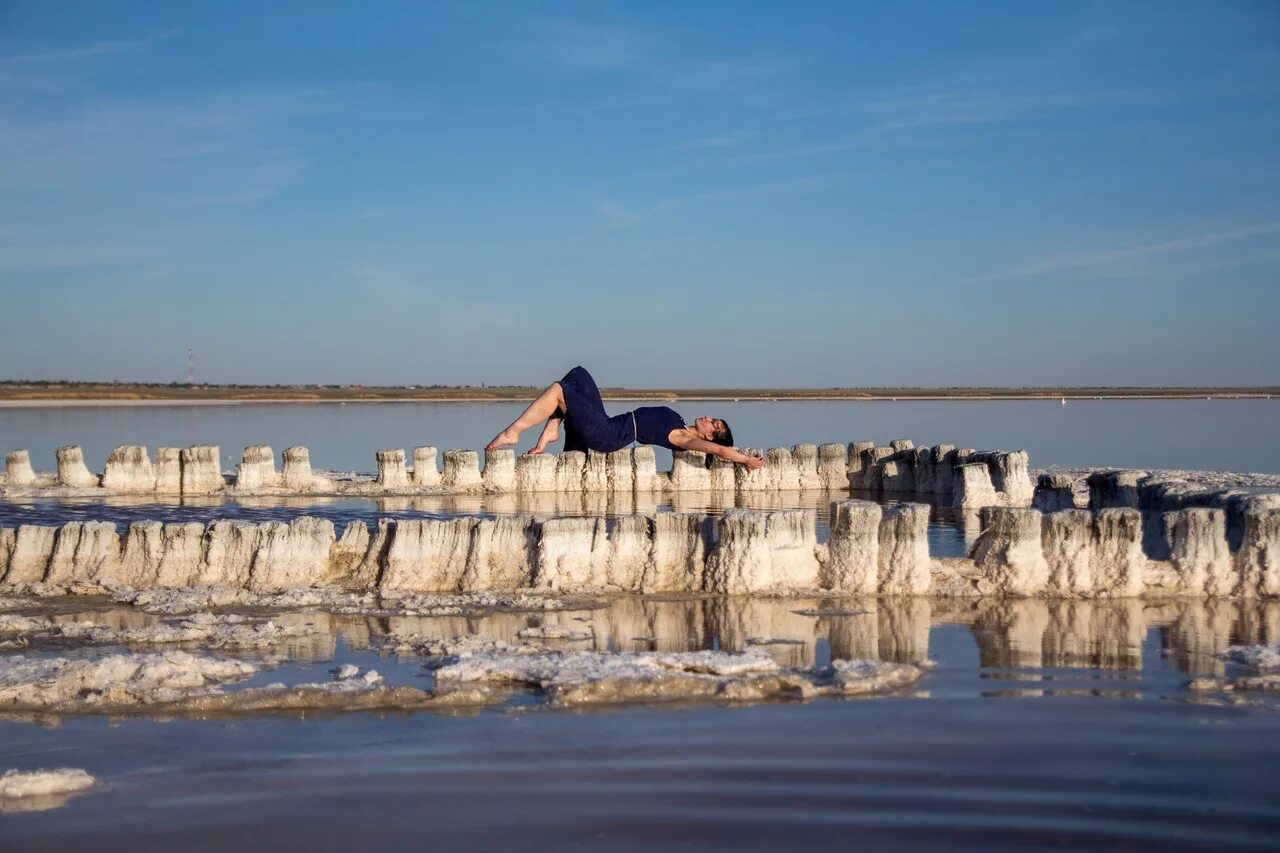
{"x": 714, "y": 429}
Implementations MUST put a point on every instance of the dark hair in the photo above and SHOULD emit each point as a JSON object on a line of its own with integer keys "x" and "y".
{"x": 724, "y": 437}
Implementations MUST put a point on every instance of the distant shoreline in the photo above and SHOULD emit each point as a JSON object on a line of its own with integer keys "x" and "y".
{"x": 25, "y": 395}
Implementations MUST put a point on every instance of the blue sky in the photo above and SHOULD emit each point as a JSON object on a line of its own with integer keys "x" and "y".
{"x": 796, "y": 194}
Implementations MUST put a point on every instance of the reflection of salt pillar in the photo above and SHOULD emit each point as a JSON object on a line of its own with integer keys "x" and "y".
{"x": 535, "y": 473}
{"x": 1067, "y": 540}
{"x": 904, "y": 629}
{"x": 391, "y": 471}
{"x": 201, "y": 470}
{"x": 833, "y": 467}
{"x": 129, "y": 471}
{"x": 1120, "y": 630}
{"x": 425, "y": 472}
{"x": 461, "y": 470}
{"x": 1201, "y": 631}
{"x": 1028, "y": 619}
{"x": 853, "y": 548}
{"x": 17, "y": 467}
{"x": 1118, "y": 562}
{"x": 71, "y": 468}
{"x": 904, "y": 550}
{"x": 499, "y": 471}
{"x": 1009, "y": 552}
{"x": 856, "y": 637}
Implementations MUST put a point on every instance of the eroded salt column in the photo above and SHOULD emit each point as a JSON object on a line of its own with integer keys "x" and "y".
{"x": 297, "y": 469}
{"x": 689, "y": 471}
{"x": 1114, "y": 489}
{"x": 1259, "y": 555}
{"x": 944, "y": 463}
{"x": 856, "y": 459}
{"x": 32, "y": 548}
{"x": 230, "y": 547}
{"x": 181, "y": 554}
{"x": 59, "y": 569}
{"x": 144, "y": 546}
{"x": 1009, "y": 552}
{"x": 630, "y": 546}
{"x": 897, "y": 474}
{"x": 569, "y": 467}
{"x": 425, "y": 472}
{"x": 17, "y": 468}
{"x": 1012, "y": 478}
{"x": 868, "y": 478}
{"x": 201, "y": 470}
{"x": 901, "y": 444}
{"x": 499, "y": 471}
{"x": 621, "y": 471}
{"x": 677, "y": 553}
{"x": 293, "y": 555}
{"x": 1054, "y": 492}
{"x": 573, "y": 554}
{"x": 1199, "y": 552}
{"x": 645, "y": 464}
{"x": 793, "y": 544}
{"x": 973, "y": 487}
{"x": 781, "y": 472}
{"x": 356, "y": 560}
{"x": 759, "y": 480}
{"x": 168, "y": 470}
{"x": 904, "y": 550}
{"x": 92, "y": 553}
{"x": 1067, "y": 542}
{"x": 853, "y": 551}
{"x": 504, "y": 552}
{"x": 535, "y": 473}
{"x": 257, "y": 468}
{"x": 428, "y": 555}
{"x": 1119, "y": 563}
{"x": 924, "y": 473}
{"x": 461, "y": 470}
{"x": 391, "y": 469}
{"x": 833, "y": 466}
{"x": 595, "y": 473}
{"x": 805, "y": 457}
{"x": 722, "y": 476}
{"x": 740, "y": 563}
{"x": 71, "y": 468}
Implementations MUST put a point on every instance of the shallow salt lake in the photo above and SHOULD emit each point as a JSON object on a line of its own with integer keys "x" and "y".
{"x": 1062, "y": 723}
{"x": 1041, "y": 723}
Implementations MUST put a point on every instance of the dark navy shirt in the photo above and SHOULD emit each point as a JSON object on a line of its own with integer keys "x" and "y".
{"x": 655, "y": 423}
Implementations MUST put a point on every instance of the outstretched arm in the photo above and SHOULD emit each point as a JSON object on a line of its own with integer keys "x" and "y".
{"x": 703, "y": 446}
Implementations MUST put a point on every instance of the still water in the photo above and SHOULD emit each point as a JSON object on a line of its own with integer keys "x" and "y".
{"x": 1043, "y": 723}
{"x": 1232, "y": 435}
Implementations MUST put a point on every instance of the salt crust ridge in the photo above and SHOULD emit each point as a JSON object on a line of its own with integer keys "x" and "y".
{"x": 211, "y": 631}
{"x": 41, "y": 790}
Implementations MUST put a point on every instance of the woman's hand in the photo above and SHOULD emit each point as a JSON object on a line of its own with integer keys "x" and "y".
{"x": 753, "y": 462}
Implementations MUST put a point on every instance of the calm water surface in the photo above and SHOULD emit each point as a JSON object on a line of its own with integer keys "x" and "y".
{"x": 1064, "y": 724}
{"x": 1234, "y": 435}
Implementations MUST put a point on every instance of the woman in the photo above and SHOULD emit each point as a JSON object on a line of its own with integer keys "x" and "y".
{"x": 575, "y": 400}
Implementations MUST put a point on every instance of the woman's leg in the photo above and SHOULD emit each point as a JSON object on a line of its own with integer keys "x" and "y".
{"x": 550, "y": 433}
{"x": 538, "y": 411}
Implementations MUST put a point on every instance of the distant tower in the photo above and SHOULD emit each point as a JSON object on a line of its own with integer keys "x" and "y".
{"x": 191, "y": 367}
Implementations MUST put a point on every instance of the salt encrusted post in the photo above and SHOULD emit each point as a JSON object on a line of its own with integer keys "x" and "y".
{"x": 461, "y": 470}
{"x": 904, "y": 550}
{"x": 129, "y": 471}
{"x": 722, "y": 475}
{"x": 1009, "y": 551}
{"x": 428, "y": 555}
{"x": 646, "y": 470}
{"x": 746, "y": 480}
{"x": 391, "y": 471}
{"x": 677, "y": 552}
{"x": 944, "y": 463}
{"x": 535, "y": 473}
{"x": 425, "y": 472}
{"x": 856, "y": 458}
{"x": 1259, "y": 554}
{"x": 1054, "y": 492}
{"x": 569, "y": 471}
{"x": 257, "y": 468}
{"x": 973, "y": 487}
{"x": 595, "y": 472}
{"x": 1118, "y": 560}
{"x": 168, "y": 470}
{"x": 620, "y": 472}
{"x": 853, "y": 551}
{"x": 1013, "y": 478}
{"x": 573, "y": 554}
{"x": 689, "y": 471}
{"x": 630, "y": 545}
{"x": 780, "y": 469}
{"x": 297, "y": 468}
{"x": 805, "y": 457}
{"x": 201, "y": 470}
{"x": 17, "y": 467}
{"x": 499, "y": 471}
{"x": 900, "y": 444}
{"x": 869, "y": 477}
{"x": 1114, "y": 489}
{"x": 1199, "y": 552}
{"x": 503, "y": 553}
{"x": 33, "y": 546}
{"x": 71, "y": 468}
{"x": 1067, "y": 542}
{"x": 740, "y": 563}
{"x": 833, "y": 466}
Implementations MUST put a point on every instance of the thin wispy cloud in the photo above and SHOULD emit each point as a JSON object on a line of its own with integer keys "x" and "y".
{"x": 620, "y": 215}
{"x": 1122, "y": 260}
{"x": 732, "y": 139}
{"x": 99, "y": 48}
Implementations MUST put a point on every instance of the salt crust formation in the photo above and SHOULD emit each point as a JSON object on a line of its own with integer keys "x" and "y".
{"x": 213, "y": 631}
{"x": 965, "y": 478}
{"x": 40, "y": 790}
{"x": 872, "y": 549}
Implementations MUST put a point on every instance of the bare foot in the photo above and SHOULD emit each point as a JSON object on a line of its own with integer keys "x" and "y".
{"x": 503, "y": 439}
